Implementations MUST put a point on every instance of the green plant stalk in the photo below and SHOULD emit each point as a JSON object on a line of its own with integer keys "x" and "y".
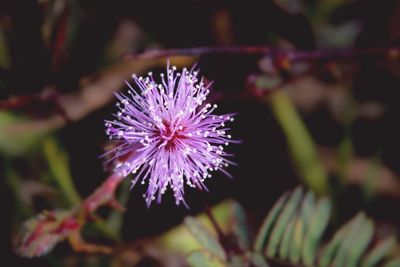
{"x": 345, "y": 150}
{"x": 58, "y": 165}
{"x": 5, "y": 57}
{"x": 369, "y": 185}
{"x": 344, "y": 155}
{"x": 301, "y": 145}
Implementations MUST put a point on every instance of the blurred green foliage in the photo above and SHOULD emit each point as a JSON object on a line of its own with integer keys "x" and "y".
{"x": 289, "y": 236}
{"x": 14, "y": 141}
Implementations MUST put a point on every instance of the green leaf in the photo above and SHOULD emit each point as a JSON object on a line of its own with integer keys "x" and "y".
{"x": 331, "y": 248}
{"x": 258, "y": 260}
{"x": 282, "y": 222}
{"x": 268, "y": 222}
{"x": 301, "y": 226}
{"x": 287, "y": 239}
{"x": 392, "y": 263}
{"x": 205, "y": 238}
{"x": 347, "y": 242}
{"x": 203, "y": 258}
{"x": 360, "y": 243}
{"x": 382, "y": 249}
{"x": 238, "y": 260}
{"x": 316, "y": 228}
{"x": 239, "y": 226}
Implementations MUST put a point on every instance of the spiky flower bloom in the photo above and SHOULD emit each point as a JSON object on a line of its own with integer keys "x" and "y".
{"x": 167, "y": 136}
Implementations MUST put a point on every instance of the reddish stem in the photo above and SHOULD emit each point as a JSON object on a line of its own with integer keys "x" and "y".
{"x": 29, "y": 102}
{"x": 292, "y": 54}
{"x": 104, "y": 194}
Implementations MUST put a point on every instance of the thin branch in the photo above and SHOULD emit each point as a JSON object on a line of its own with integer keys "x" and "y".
{"x": 217, "y": 228}
{"x": 267, "y": 51}
{"x": 74, "y": 106}
{"x": 104, "y": 195}
{"x": 230, "y": 245}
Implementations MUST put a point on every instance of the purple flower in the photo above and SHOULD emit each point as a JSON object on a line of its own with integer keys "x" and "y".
{"x": 167, "y": 136}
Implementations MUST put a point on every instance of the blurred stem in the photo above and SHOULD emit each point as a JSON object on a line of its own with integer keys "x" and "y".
{"x": 369, "y": 186}
{"x": 103, "y": 195}
{"x": 5, "y": 58}
{"x": 267, "y": 51}
{"x": 58, "y": 164}
{"x": 215, "y": 224}
{"x": 345, "y": 149}
{"x": 301, "y": 145}
{"x": 115, "y": 220}
{"x": 344, "y": 155}
{"x": 13, "y": 181}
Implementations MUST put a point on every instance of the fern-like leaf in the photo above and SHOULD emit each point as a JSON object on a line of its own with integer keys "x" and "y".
{"x": 294, "y": 229}
{"x": 293, "y": 233}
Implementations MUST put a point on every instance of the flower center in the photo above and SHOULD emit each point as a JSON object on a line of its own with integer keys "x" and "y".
{"x": 170, "y": 134}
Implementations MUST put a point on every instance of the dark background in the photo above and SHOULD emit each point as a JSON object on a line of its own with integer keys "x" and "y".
{"x": 264, "y": 167}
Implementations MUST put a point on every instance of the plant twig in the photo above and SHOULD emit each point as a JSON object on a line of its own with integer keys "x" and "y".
{"x": 267, "y": 51}
{"x": 74, "y": 106}
{"x": 69, "y": 223}
{"x": 228, "y": 243}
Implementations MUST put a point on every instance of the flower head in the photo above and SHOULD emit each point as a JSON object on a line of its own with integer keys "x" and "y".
{"x": 167, "y": 135}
